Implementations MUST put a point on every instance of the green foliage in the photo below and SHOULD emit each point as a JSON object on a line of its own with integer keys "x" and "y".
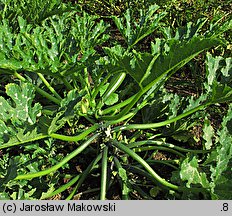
{"x": 147, "y": 68}
{"x": 32, "y": 159}
{"x": 217, "y": 164}
{"x": 32, "y": 11}
{"x": 20, "y": 110}
{"x": 208, "y": 134}
{"x": 190, "y": 173}
{"x": 135, "y": 31}
{"x": 77, "y": 105}
{"x": 52, "y": 47}
{"x": 19, "y": 116}
{"x": 220, "y": 173}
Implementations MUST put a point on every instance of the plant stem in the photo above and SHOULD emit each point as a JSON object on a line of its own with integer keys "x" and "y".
{"x": 38, "y": 137}
{"x": 67, "y": 84}
{"x": 16, "y": 74}
{"x": 159, "y": 124}
{"x": 165, "y": 162}
{"x": 145, "y": 165}
{"x": 129, "y": 115}
{"x": 114, "y": 85}
{"x": 75, "y": 138}
{"x": 48, "y": 96}
{"x": 126, "y": 109}
{"x": 148, "y": 148}
{"x": 138, "y": 95}
{"x": 84, "y": 176}
{"x": 63, "y": 187}
{"x": 61, "y": 163}
{"x": 97, "y": 89}
{"x": 104, "y": 173}
{"x": 117, "y": 106}
{"x": 140, "y": 171}
{"x": 39, "y": 90}
{"x": 52, "y": 90}
{"x": 161, "y": 143}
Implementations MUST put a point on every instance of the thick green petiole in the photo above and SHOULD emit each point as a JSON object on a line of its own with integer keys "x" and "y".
{"x": 160, "y": 124}
{"x": 96, "y": 90}
{"x": 104, "y": 173}
{"x": 52, "y": 90}
{"x": 114, "y": 84}
{"x": 129, "y": 115}
{"x": 145, "y": 165}
{"x": 63, "y": 187}
{"x": 117, "y": 106}
{"x": 84, "y": 176}
{"x": 165, "y": 162}
{"x": 138, "y": 95}
{"x": 75, "y": 138}
{"x": 67, "y": 84}
{"x": 48, "y": 96}
{"x": 61, "y": 163}
{"x": 38, "y": 137}
{"x": 148, "y": 148}
{"x": 150, "y": 171}
{"x": 125, "y": 110}
{"x": 39, "y": 90}
{"x": 162, "y": 143}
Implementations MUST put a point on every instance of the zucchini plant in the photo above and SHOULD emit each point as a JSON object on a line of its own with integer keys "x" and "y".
{"x": 74, "y": 99}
